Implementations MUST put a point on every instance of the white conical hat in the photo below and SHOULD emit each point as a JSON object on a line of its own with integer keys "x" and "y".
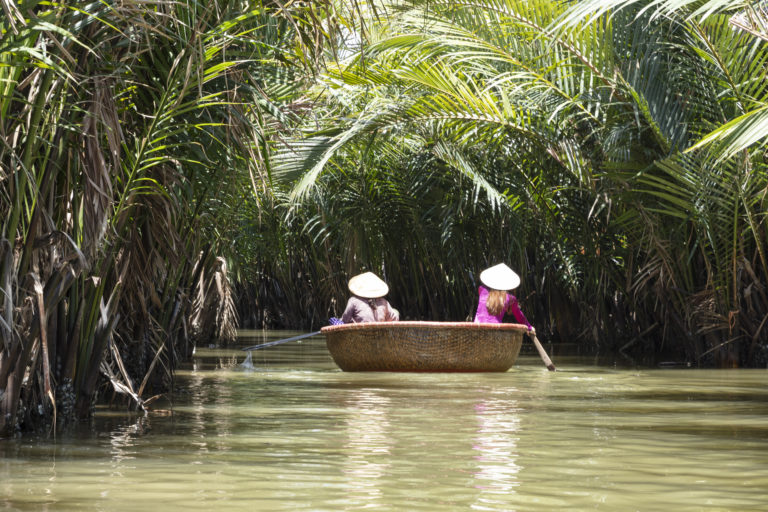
{"x": 368, "y": 286}
{"x": 500, "y": 277}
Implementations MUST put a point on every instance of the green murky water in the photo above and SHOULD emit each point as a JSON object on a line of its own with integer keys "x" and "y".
{"x": 293, "y": 432}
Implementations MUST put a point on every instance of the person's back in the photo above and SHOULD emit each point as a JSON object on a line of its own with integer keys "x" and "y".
{"x": 360, "y": 309}
{"x": 496, "y": 314}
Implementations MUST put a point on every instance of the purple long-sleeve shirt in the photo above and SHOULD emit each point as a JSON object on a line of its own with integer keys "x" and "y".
{"x": 510, "y": 305}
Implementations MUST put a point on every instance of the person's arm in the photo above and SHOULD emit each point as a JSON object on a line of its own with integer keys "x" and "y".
{"x": 482, "y": 296}
{"x": 519, "y": 316}
{"x": 350, "y": 312}
{"x": 391, "y": 314}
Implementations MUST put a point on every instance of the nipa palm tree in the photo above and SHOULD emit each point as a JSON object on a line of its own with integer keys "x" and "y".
{"x": 127, "y": 130}
{"x": 625, "y": 137}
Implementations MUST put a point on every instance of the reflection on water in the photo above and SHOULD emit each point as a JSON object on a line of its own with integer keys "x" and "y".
{"x": 289, "y": 431}
{"x": 122, "y": 441}
{"x": 496, "y": 443}
{"x": 367, "y": 447}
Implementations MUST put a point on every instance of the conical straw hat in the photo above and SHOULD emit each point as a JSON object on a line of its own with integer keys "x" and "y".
{"x": 500, "y": 277}
{"x": 368, "y": 286}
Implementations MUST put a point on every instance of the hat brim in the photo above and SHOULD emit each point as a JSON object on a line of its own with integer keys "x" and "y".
{"x": 500, "y": 277}
{"x": 368, "y": 286}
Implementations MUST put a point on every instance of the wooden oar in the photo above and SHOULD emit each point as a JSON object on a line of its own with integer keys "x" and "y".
{"x": 542, "y": 352}
{"x": 278, "y": 342}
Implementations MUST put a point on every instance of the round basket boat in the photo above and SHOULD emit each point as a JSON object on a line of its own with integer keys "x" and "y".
{"x": 424, "y": 346}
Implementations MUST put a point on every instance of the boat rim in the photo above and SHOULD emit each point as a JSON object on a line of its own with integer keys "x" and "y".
{"x": 414, "y": 323}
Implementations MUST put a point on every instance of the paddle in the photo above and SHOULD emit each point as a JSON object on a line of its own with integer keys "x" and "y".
{"x": 542, "y": 352}
{"x": 278, "y": 342}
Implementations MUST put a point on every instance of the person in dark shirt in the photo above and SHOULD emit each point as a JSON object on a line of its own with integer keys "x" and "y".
{"x": 367, "y": 303}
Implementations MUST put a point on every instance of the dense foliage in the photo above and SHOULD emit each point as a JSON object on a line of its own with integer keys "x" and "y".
{"x": 165, "y": 163}
{"x": 612, "y": 152}
{"x": 128, "y": 131}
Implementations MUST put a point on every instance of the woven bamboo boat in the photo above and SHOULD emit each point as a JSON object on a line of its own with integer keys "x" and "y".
{"x": 424, "y": 346}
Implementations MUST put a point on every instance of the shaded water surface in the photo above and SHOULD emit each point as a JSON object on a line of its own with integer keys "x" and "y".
{"x": 289, "y": 431}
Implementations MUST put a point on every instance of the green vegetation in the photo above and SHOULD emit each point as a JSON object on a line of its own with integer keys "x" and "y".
{"x": 128, "y": 131}
{"x": 591, "y": 155}
{"x": 164, "y": 163}
{"x": 613, "y": 153}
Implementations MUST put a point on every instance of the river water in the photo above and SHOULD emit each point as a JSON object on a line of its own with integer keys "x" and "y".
{"x": 288, "y": 431}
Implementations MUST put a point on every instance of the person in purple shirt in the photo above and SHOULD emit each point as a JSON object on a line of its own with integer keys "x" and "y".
{"x": 494, "y": 299}
{"x": 367, "y": 303}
